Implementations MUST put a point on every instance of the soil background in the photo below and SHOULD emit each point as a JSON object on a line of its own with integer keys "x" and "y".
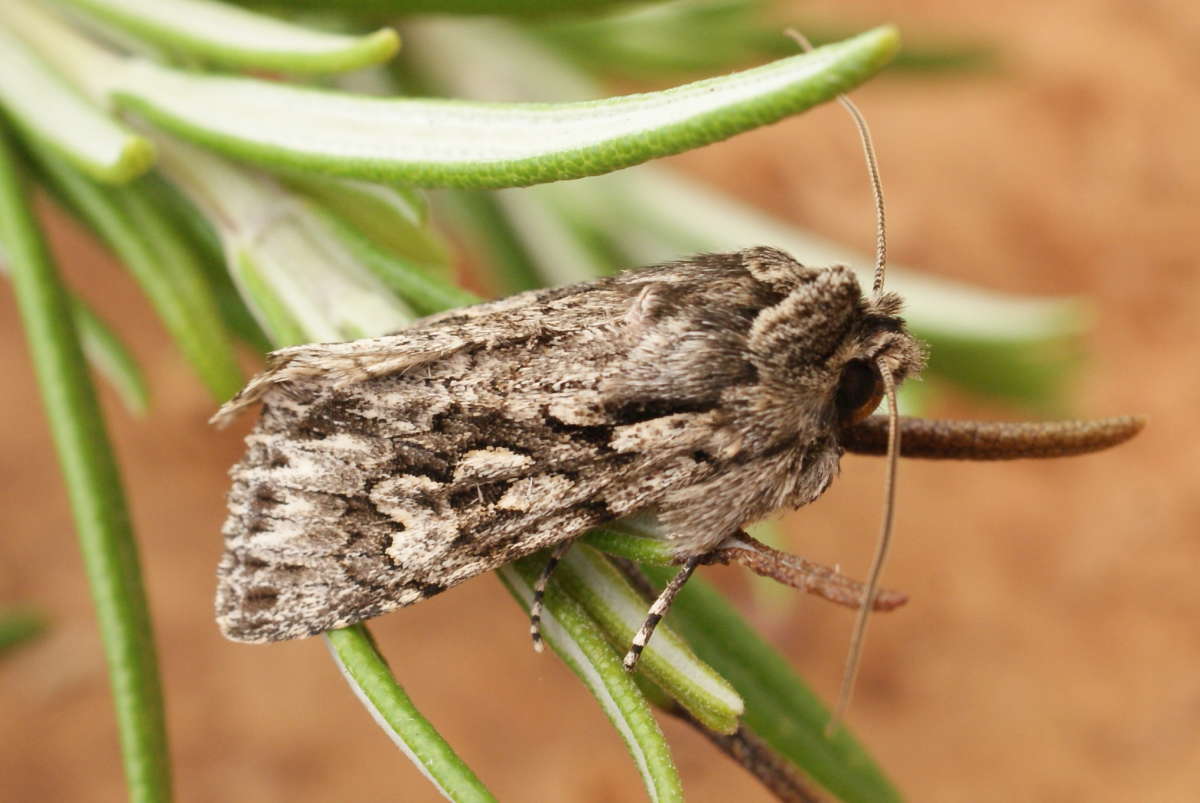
{"x": 1050, "y": 649}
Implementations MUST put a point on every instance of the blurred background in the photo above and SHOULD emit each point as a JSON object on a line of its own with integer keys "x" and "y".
{"x": 1049, "y": 649}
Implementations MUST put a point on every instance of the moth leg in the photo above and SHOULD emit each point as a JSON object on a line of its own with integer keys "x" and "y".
{"x": 658, "y": 610}
{"x": 539, "y": 591}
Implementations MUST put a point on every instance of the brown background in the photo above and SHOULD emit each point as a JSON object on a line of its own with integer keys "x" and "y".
{"x": 1051, "y": 648}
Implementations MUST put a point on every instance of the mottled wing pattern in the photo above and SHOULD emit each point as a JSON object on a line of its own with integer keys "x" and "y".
{"x": 383, "y": 471}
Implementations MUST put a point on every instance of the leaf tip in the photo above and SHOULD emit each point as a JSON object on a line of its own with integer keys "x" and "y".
{"x": 136, "y": 156}
{"x": 883, "y": 42}
{"x": 383, "y": 43}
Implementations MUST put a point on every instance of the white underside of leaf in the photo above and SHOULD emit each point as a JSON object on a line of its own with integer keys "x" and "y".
{"x": 44, "y": 103}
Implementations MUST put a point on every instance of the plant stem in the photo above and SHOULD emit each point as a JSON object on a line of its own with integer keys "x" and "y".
{"x": 772, "y": 771}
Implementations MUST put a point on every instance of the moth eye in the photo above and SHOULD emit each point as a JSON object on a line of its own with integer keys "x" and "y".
{"x": 859, "y": 391}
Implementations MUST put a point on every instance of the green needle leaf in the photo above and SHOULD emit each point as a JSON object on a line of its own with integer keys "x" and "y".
{"x": 370, "y": 678}
{"x": 110, "y": 357}
{"x": 580, "y": 643}
{"x": 667, "y": 660}
{"x": 779, "y": 706}
{"x": 420, "y": 286}
{"x": 477, "y": 144}
{"x": 107, "y": 353}
{"x": 46, "y": 108}
{"x": 94, "y": 488}
{"x": 163, "y": 265}
{"x": 234, "y": 37}
{"x": 395, "y": 218}
{"x": 630, "y": 539}
{"x": 300, "y": 279}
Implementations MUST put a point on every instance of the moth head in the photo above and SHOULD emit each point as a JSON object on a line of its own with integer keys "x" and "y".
{"x": 880, "y": 342}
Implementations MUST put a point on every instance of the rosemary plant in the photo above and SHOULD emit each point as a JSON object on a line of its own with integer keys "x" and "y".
{"x": 272, "y": 211}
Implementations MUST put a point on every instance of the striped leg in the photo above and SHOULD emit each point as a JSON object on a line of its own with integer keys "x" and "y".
{"x": 658, "y": 610}
{"x": 539, "y": 590}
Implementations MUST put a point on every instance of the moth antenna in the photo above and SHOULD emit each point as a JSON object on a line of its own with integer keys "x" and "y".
{"x": 864, "y": 135}
{"x": 881, "y": 549}
{"x": 539, "y": 591}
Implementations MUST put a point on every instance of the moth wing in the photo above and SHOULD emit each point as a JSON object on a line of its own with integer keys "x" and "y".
{"x": 302, "y": 557}
{"x": 329, "y": 526}
{"x": 381, "y": 472}
{"x": 490, "y": 325}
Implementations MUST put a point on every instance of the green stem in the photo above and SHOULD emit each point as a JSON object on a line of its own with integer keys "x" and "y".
{"x": 94, "y": 487}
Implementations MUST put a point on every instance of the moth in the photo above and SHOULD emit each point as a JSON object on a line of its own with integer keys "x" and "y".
{"x": 711, "y": 392}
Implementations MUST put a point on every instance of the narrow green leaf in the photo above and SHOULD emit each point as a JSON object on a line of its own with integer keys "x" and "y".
{"x": 280, "y": 325}
{"x": 77, "y": 57}
{"x": 110, "y": 357}
{"x": 779, "y": 706}
{"x": 419, "y": 286}
{"x": 650, "y": 40}
{"x": 656, "y": 40}
{"x": 558, "y": 252}
{"x": 163, "y": 266}
{"x": 186, "y": 304}
{"x": 205, "y": 245}
{"x": 234, "y": 37}
{"x": 454, "y": 57}
{"x": 106, "y": 353}
{"x": 581, "y": 645}
{"x": 394, "y": 218}
{"x": 475, "y": 144}
{"x": 477, "y": 215}
{"x": 299, "y": 279}
{"x": 44, "y": 107}
{"x": 94, "y": 488}
{"x": 18, "y": 626}
{"x": 667, "y": 661}
{"x": 369, "y": 677}
{"x": 626, "y": 539}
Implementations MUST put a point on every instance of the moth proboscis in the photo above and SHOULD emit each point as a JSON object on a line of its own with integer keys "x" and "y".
{"x": 711, "y": 392}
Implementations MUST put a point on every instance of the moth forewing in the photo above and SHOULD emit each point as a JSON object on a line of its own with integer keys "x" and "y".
{"x": 382, "y": 471}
